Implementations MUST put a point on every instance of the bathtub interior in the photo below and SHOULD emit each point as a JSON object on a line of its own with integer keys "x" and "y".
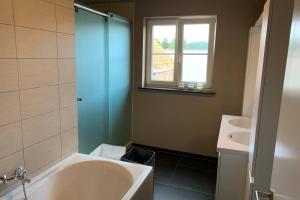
{"x": 85, "y": 180}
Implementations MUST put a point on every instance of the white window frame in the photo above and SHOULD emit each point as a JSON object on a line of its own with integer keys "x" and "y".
{"x": 179, "y": 22}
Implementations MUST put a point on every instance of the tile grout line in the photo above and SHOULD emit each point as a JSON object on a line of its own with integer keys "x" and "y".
{"x": 55, "y": 3}
{"x": 10, "y": 123}
{"x": 168, "y": 184}
{"x": 40, "y": 114}
{"x": 20, "y": 104}
{"x": 192, "y": 190}
{"x": 187, "y": 189}
{"x": 40, "y": 29}
{"x": 58, "y": 76}
{"x": 32, "y": 117}
{"x": 10, "y": 154}
{"x": 40, "y": 58}
{"x": 173, "y": 173}
{"x": 42, "y": 168}
{"x": 38, "y": 87}
{"x": 35, "y": 28}
{"x": 44, "y": 140}
{"x": 21, "y": 119}
{"x": 38, "y": 142}
{"x": 202, "y": 170}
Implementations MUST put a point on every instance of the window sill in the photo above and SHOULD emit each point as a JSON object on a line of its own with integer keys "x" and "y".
{"x": 207, "y": 92}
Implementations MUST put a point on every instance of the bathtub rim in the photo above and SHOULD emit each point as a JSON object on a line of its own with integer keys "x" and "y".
{"x": 137, "y": 171}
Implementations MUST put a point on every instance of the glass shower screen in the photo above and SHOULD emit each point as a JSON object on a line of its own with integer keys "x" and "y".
{"x": 103, "y": 59}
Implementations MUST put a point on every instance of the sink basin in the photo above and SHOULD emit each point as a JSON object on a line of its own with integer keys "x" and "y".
{"x": 241, "y": 123}
{"x": 242, "y": 137}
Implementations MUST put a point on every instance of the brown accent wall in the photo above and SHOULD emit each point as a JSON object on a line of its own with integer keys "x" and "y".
{"x": 190, "y": 123}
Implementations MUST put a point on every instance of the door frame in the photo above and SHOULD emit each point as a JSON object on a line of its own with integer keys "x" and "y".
{"x": 276, "y": 25}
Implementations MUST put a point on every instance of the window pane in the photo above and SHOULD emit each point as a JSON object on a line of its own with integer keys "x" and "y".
{"x": 162, "y": 67}
{"x": 194, "y": 68}
{"x": 163, "y": 39}
{"x": 195, "y": 38}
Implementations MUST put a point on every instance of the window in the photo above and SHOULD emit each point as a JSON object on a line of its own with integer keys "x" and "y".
{"x": 179, "y": 52}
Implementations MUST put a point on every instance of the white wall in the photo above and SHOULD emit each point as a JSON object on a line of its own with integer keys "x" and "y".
{"x": 251, "y": 71}
{"x": 190, "y": 123}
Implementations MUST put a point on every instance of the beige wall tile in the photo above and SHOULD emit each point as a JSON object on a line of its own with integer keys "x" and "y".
{"x": 7, "y": 41}
{"x": 69, "y": 141}
{"x": 37, "y": 72}
{"x": 67, "y": 70}
{"x": 68, "y": 117}
{"x": 66, "y": 48}
{"x": 35, "y": 13}
{"x": 41, "y": 154}
{"x": 67, "y": 94}
{"x": 6, "y": 12}
{"x": 41, "y": 127}
{"x": 51, "y": 1}
{"x": 65, "y": 3}
{"x": 9, "y": 108}
{"x": 38, "y": 101}
{"x": 8, "y": 75}
{"x": 65, "y": 20}
{"x": 9, "y": 164}
{"x": 42, "y": 169}
{"x": 11, "y": 139}
{"x": 33, "y": 43}
{"x": 28, "y": 59}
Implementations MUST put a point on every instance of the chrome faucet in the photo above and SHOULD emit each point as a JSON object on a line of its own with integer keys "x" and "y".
{"x": 5, "y": 180}
{"x": 21, "y": 175}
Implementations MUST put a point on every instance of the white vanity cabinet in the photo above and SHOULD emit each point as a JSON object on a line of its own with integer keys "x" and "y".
{"x": 232, "y": 173}
{"x": 232, "y": 147}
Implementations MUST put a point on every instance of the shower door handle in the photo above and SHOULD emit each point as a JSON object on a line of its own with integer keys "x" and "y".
{"x": 79, "y": 99}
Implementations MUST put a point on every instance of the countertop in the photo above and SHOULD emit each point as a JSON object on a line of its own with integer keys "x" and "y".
{"x": 227, "y": 145}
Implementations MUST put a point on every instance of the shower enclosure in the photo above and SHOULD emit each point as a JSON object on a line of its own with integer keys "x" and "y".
{"x": 103, "y": 62}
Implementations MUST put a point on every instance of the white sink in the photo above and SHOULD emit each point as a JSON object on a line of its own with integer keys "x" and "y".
{"x": 234, "y": 135}
{"x": 241, "y": 123}
{"x": 242, "y": 137}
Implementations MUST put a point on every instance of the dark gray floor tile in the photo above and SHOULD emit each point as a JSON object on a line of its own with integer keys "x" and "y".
{"x": 198, "y": 180}
{"x": 169, "y": 158}
{"x": 163, "y": 172}
{"x": 183, "y": 176}
{"x": 198, "y": 163}
{"x": 163, "y": 192}
{"x": 188, "y": 155}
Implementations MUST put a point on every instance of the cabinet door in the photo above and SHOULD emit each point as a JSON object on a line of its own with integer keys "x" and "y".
{"x": 232, "y": 172}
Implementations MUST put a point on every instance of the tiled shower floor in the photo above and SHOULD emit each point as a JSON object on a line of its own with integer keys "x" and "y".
{"x": 180, "y": 176}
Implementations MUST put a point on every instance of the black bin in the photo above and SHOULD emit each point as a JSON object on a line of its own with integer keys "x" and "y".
{"x": 141, "y": 156}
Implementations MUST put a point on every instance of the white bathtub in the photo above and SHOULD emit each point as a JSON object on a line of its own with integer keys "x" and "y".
{"x": 84, "y": 177}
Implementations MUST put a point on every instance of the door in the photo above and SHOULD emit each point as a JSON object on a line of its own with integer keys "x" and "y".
{"x": 276, "y": 25}
{"x": 119, "y": 80}
{"x": 91, "y": 80}
{"x": 286, "y": 167}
